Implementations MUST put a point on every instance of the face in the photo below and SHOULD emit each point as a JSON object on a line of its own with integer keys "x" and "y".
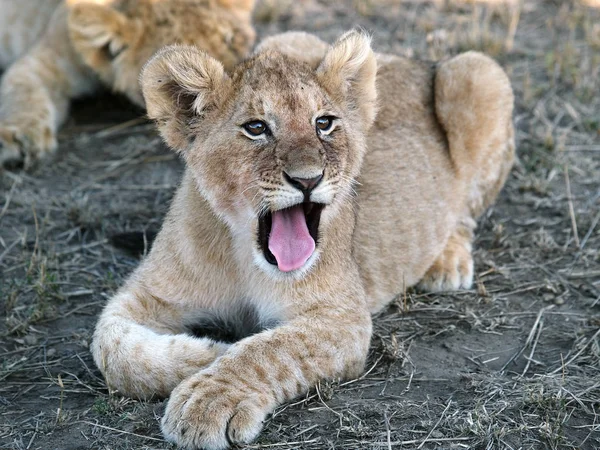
{"x": 274, "y": 149}
{"x": 133, "y": 30}
{"x": 283, "y": 154}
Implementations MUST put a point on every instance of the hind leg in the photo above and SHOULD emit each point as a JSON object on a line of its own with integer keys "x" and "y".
{"x": 473, "y": 102}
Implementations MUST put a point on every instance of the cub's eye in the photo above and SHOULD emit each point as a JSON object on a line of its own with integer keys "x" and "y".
{"x": 324, "y": 123}
{"x": 255, "y": 127}
{"x": 111, "y": 51}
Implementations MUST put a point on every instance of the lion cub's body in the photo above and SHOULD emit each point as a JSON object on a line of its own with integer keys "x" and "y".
{"x": 426, "y": 162}
{"x": 417, "y": 187}
{"x": 56, "y": 50}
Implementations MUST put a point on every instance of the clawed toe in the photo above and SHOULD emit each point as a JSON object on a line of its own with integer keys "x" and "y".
{"x": 452, "y": 270}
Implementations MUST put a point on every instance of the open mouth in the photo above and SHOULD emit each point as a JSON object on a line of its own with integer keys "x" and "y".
{"x": 288, "y": 237}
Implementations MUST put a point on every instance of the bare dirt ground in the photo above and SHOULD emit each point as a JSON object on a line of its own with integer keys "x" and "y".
{"x": 513, "y": 363}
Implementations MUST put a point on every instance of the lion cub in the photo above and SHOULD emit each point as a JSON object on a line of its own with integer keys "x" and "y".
{"x": 321, "y": 181}
{"x": 57, "y": 50}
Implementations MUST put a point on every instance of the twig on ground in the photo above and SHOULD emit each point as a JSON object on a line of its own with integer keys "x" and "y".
{"x": 436, "y": 425}
{"x": 540, "y": 326}
{"x": 387, "y": 429}
{"x": 529, "y": 340}
{"x": 36, "y": 243}
{"x": 8, "y": 198}
{"x": 115, "y": 430}
{"x": 10, "y": 247}
{"x": 590, "y": 231}
{"x": 576, "y": 355}
{"x": 121, "y": 126}
{"x": 571, "y": 208}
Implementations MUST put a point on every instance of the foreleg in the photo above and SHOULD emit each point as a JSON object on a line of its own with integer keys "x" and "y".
{"x": 35, "y": 93}
{"x": 142, "y": 347}
{"x": 227, "y": 403}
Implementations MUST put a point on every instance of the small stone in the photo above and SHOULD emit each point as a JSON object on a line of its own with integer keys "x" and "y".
{"x": 548, "y": 297}
{"x": 30, "y": 339}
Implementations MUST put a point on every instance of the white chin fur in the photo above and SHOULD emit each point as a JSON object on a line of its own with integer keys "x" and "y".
{"x": 274, "y": 272}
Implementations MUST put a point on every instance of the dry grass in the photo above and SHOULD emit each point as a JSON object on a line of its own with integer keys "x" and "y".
{"x": 514, "y": 363}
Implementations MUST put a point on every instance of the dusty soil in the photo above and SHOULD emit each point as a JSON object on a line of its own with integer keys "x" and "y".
{"x": 513, "y": 363}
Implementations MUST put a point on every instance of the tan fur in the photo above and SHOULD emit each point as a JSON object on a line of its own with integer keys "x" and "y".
{"x": 72, "y": 46}
{"x": 404, "y": 179}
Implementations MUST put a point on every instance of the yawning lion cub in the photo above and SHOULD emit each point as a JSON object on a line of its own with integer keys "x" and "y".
{"x": 321, "y": 181}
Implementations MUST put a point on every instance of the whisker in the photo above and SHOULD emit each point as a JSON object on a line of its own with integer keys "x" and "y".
{"x": 252, "y": 184}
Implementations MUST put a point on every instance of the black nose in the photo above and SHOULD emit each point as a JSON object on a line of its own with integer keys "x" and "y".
{"x": 306, "y": 185}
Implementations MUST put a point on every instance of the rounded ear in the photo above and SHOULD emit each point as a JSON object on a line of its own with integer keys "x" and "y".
{"x": 181, "y": 84}
{"x": 348, "y": 72}
{"x": 99, "y": 32}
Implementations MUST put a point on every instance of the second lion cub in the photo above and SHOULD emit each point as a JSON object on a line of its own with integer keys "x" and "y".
{"x": 320, "y": 182}
{"x": 58, "y": 50}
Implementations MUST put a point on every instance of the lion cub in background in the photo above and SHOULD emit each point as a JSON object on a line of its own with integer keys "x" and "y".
{"x": 56, "y": 50}
{"x": 321, "y": 181}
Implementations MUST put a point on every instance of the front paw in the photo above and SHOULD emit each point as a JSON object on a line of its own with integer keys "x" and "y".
{"x": 25, "y": 144}
{"x": 207, "y": 411}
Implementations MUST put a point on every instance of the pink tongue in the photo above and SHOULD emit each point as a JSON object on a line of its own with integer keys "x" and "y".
{"x": 289, "y": 241}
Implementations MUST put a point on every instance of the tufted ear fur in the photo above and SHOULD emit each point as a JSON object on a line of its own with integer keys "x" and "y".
{"x": 181, "y": 84}
{"x": 99, "y": 33}
{"x": 243, "y": 5}
{"x": 297, "y": 45}
{"x": 348, "y": 72}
